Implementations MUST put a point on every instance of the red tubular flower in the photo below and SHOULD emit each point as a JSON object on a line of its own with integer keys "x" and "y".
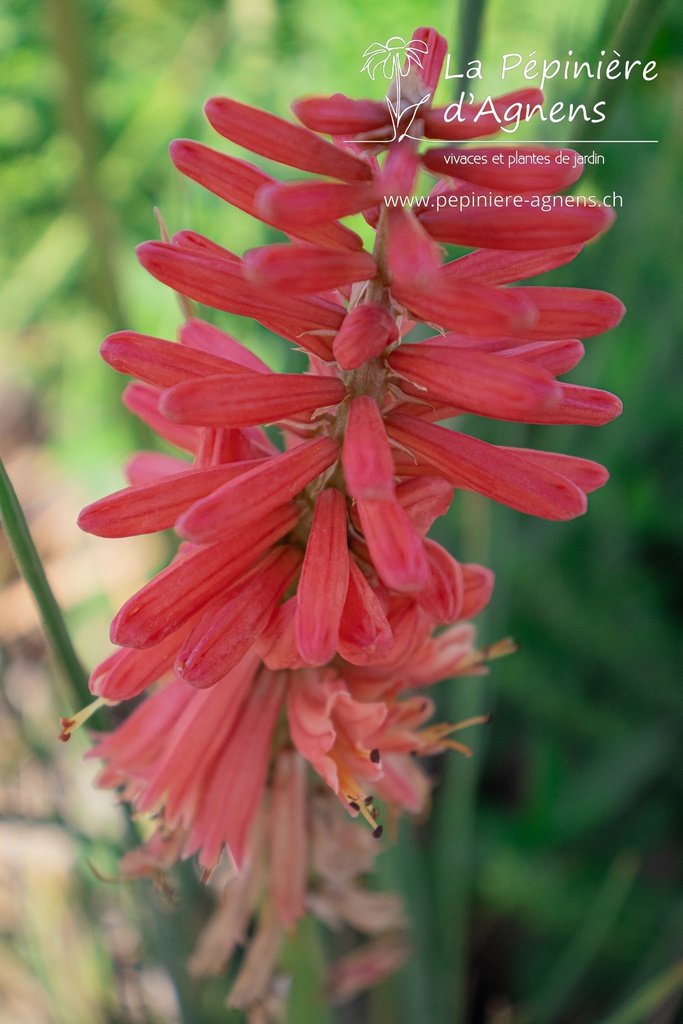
{"x": 367, "y": 330}
{"x": 516, "y": 227}
{"x": 475, "y": 121}
{"x": 491, "y": 385}
{"x": 288, "y": 837}
{"x": 305, "y": 269}
{"x": 324, "y": 581}
{"x": 364, "y": 632}
{"x": 489, "y": 167}
{"x": 229, "y": 509}
{"x": 270, "y": 136}
{"x": 478, "y": 466}
{"x": 245, "y": 400}
{"x": 237, "y": 182}
{"x": 302, "y": 607}
{"x": 149, "y": 507}
{"x": 366, "y": 454}
{"x": 312, "y": 202}
{"x": 194, "y": 578}
{"x": 232, "y": 622}
{"x": 395, "y": 546}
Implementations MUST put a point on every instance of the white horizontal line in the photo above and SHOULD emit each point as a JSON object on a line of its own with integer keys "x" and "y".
{"x": 556, "y": 142}
{"x": 621, "y": 142}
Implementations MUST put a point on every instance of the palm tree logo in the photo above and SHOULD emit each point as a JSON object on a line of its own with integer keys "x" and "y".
{"x": 396, "y": 58}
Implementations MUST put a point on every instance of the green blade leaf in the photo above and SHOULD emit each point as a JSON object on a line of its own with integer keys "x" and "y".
{"x": 32, "y": 570}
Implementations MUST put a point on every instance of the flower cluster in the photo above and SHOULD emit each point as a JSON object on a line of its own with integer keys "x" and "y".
{"x": 306, "y": 610}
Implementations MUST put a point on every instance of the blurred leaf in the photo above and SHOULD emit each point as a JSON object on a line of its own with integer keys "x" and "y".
{"x": 44, "y": 269}
{"x": 600, "y": 791}
{"x": 422, "y": 981}
{"x": 303, "y": 958}
{"x": 632, "y": 36}
{"x": 650, "y": 998}
{"x": 587, "y": 942}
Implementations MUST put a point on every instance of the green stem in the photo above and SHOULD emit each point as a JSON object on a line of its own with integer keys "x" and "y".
{"x": 456, "y": 811}
{"x": 470, "y": 20}
{"x": 650, "y": 997}
{"x": 632, "y": 37}
{"x": 33, "y": 572}
{"x": 405, "y": 868}
{"x": 304, "y": 960}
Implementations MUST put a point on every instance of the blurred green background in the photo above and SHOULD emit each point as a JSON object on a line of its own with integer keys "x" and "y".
{"x": 546, "y": 886}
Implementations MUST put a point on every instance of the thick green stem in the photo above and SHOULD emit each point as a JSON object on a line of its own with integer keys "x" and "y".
{"x": 470, "y": 21}
{"x": 33, "y": 572}
{"x": 455, "y": 818}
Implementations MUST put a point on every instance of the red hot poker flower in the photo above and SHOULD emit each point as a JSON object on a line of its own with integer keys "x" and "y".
{"x": 301, "y": 610}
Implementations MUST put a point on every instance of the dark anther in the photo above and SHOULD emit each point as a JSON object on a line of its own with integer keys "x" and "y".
{"x": 367, "y": 801}
{"x": 378, "y": 832}
{"x": 374, "y": 755}
{"x": 354, "y": 805}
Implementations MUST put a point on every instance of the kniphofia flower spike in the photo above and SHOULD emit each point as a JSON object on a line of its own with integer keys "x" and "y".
{"x": 290, "y": 642}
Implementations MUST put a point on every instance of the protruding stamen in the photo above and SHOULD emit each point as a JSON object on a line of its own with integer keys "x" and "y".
{"x": 500, "y": 649}
{"x": 70, "y": 724}
{"x": 482, "y": 655}
{"x": 460, "y": 747}
{"x": 467, "y": 722}
{"x": 435, "y": 736}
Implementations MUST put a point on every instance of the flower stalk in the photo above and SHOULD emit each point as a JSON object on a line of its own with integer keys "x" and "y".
{"x": 33, "y": 571}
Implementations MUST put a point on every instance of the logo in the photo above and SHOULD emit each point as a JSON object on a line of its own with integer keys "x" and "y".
{"x": 397, "y": 58}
